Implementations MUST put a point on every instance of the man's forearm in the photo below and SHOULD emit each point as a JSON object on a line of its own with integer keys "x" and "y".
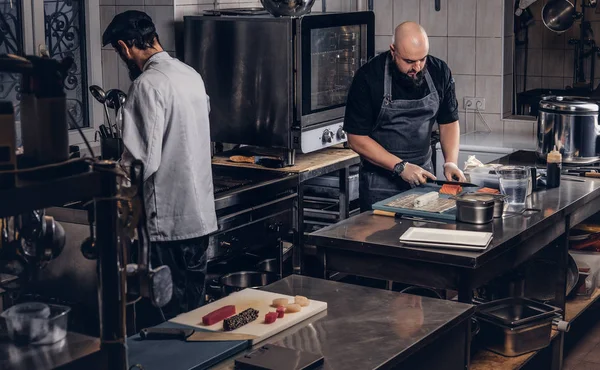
{"x": 450, "y": 140}
{"x": 370, "y": 150}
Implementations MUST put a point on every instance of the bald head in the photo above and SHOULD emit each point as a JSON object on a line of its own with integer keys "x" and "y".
{"x": 410, "y": 48}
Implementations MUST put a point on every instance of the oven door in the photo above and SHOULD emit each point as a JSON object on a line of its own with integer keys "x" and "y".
{"x": 332, "y": 48}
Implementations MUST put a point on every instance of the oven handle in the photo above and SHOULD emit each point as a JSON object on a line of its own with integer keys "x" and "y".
{"x": 251, "y": 209}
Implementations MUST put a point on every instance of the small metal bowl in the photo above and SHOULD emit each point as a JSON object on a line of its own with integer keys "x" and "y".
{"x": 475, "y": 208}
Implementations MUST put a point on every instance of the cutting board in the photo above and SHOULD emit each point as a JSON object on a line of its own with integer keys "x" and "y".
{"x": 423, "y": 189}
{"x": 259, "y": 300}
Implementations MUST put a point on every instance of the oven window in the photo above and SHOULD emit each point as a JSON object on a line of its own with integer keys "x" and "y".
{"x": 335, "y": 57}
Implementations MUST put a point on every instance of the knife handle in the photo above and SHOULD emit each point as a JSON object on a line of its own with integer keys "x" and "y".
{"x": 165, "y": 333}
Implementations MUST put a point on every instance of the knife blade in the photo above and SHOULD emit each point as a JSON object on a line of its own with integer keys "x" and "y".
{"x": 463, "y": 184}
{"x": 191, "y": 335}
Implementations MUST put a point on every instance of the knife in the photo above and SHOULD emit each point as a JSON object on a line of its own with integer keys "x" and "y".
{"x": 463, "y": 184}
{"x": 270, "y": 162}
{"x": 191, "y": 335}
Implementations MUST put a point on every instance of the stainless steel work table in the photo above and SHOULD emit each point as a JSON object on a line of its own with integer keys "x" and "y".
{"x": 366, "y": 328}
{"x": 368, "y": 245}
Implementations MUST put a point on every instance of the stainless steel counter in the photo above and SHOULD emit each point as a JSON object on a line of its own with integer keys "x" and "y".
{"x": 69, "y": 351}
{"x": 365, "y": 328}
{"x": 368, "y": 245}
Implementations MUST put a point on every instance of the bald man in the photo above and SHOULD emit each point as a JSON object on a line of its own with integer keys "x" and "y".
{"x": 393, "y": 103}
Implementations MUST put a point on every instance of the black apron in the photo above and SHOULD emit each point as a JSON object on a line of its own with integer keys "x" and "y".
{"x": 403, "y": 128}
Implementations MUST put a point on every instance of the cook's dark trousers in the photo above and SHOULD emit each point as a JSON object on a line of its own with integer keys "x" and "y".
{"x": 187, "y": 261}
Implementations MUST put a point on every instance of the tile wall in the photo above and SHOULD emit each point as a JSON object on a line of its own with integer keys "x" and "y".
{"x": 475, "y": 38}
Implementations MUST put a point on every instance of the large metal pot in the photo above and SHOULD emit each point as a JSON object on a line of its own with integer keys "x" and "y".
{"x": 237, "y": 281}
{"x": 294, "y": 8}
{"x": 570, "y": 124}
{"x": 558, "y": 15}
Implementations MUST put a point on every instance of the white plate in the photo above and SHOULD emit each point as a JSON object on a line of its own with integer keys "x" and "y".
{"x": 446, "y": 238}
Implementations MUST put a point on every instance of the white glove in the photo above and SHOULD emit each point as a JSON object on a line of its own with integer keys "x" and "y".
{"x": 452, "y": 172}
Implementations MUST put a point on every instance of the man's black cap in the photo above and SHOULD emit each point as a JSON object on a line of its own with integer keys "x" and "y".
{"x": 129, "y": 25}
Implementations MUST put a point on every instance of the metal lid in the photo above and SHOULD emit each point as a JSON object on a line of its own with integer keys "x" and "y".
{"x": 568, "y": 104}
{"x": 477, "y": 198}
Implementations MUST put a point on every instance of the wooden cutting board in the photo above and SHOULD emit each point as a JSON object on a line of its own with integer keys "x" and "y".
{"x": 259, "y": 300}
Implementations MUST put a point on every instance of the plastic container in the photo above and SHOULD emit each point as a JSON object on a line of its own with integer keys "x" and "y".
{"x": 36, "y": 323}
{"x": 515, "y": 183}
{"x": 554, "y": 168}
{"x": 484, "y": 177}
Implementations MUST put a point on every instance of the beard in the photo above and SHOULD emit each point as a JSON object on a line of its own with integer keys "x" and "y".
{"x": 132, "y": 68}
{"x": 415, "y": 81}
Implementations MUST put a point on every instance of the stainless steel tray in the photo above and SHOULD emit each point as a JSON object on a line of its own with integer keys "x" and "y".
{"x": 516, "y": 311}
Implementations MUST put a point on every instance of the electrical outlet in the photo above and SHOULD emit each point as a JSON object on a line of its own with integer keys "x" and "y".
{"x": 474, "y": 103}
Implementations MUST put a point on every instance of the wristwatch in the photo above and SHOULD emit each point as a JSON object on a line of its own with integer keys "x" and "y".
{"x": 398, "y": 169}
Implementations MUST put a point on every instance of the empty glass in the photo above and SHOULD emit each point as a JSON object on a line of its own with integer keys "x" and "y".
{"x": 514, "y": 181}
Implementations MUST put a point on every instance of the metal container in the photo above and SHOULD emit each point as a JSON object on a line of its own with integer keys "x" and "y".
{"x": 237, "y": 281}
{"x": 558, "y": 16}
{"x": 475, "y": 208}
{"x": 516, "y": 325}
{"x": 36, "y": 323}
{"x": 570, "y": 124}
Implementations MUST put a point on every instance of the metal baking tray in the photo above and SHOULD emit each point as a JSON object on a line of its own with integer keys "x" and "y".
{"x": 516, "y": 311}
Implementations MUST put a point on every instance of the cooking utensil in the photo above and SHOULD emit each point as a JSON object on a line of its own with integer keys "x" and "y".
{"x": 237, "y": 281}
{"x": 295, "y": 8}
{"x": 559, "y": 16}
{"x": 270, "y": 162}
{"x": 514, "y": 326}
{"x": 100, "y": 95}
{"x": 570, "y": 124}
{"x": 475, "y": 208}
{"x": 268, "y": 265}
{"x": 463, "y": 184}
{"x": 191, "y": 335}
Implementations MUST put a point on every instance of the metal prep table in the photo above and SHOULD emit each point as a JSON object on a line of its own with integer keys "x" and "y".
{"x": 308, "y": 166}
{"x": 367, "y": 328}
{"x": 368, "y": 245}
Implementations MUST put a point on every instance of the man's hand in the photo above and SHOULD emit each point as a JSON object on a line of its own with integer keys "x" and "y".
{"x": 415, "y": 175}
{"x": 453, "y": 173}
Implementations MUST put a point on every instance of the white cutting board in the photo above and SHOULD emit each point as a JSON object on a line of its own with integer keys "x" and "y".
{"x": 259, "y": 300}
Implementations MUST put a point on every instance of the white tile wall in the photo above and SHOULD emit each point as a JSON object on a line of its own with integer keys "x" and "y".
{"x": 384, "y": 17}
{"x": 467, "y": 122}
{"x": 107, "y": 13}
{"x": 434, "y": 22}
{"x": 553, "y": 62}
{"x": 490, "y": 87}
{"x": 519, "y": 127}
{"x": 494, "y": 122}
{"x": 438, "y": 47}
{"x": 164, "y": 21}
{"x": 405, "y": 10}
{"x": 509, "y": 56}
{"x": 462, "y": 17}
{"x": 465, "y": 87}
{"x": 489, "y": 19}
{"x": 507, "y": 89}
{"x": 461, "y": 55}
{"x": 489, "y": 56}
{"x": 509, "y": 17}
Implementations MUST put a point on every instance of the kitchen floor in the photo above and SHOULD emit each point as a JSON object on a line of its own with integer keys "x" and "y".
{"x": 583, "y": 342}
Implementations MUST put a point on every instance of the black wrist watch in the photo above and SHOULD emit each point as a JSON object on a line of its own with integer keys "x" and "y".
{"x": 398, "y": 169}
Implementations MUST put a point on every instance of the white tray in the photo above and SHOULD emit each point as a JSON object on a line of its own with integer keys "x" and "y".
{"x": 441, "y": 238}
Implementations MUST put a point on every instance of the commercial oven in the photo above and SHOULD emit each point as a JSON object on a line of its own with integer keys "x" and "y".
{"x": 278, "y": 82}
